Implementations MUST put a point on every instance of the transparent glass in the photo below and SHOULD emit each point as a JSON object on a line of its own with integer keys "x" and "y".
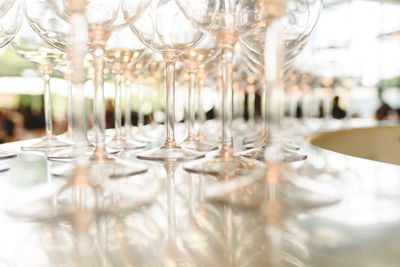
{"x": 10, "y": 22}
{"x": 224, "y": 20}
{"x": 28, "y": 44}
{"x": 137, "y": 74}
{"x": 102, "y": 19}
{"x": 157, "y": 29}
{"x": 204, "y": 53}
{"x": 294, "y": 35}
{"x": 122, "y": 49}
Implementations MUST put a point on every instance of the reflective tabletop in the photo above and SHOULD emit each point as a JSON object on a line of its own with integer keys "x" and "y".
{"x": 330, "y": 210}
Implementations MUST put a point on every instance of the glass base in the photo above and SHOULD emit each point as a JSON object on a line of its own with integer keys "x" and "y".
{"x": 254, "y": 138}
{"x": 66, "y": 137}
{"x": 102, "y": 164}
{"x": 4, "y": 168}
{"x": 116, "y": 168}
{"x": 293, "y": 156}
{"x": 224, "y": 165}
{"x": 122, "y": 144}
{"x": 110, "y": 168}
{"x": 47, "y": 144}
{"x": 284, "y": 154}
{"x": 262, "y": 142}
{"x": 197, "y": 145}
{"x": 142, "y": 138}
{"x": 68, "y": 154}
{"x": 170, "y": 153}
{"x": 7, "y": 155}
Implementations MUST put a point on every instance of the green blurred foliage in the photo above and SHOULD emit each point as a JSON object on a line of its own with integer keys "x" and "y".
{"x": 11, "y": 64}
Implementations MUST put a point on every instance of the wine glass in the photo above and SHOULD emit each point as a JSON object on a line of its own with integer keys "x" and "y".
{"x": 209, "y": 79}
{"x": 54, "y": 31}
{"x": 226, "y": 20}
{"x": 248, "y": 79}
{"x": 295, "y": 36}
{"x": 255, "y": 145}
{"x": 155, "y": 73}
{"x": 122, "y": 49}
{"x": 102, "y": 19}
{"x": 10, "y": 21}
{"x": 204, "y": 53}
{"x": 157, "y": 28}
{"x": 137, "y": 76}
{"x": 28, "y": 44}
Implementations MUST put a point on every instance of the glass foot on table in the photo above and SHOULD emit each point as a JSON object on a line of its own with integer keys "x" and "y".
{"x": 46, "y": 144}
{"x": 170, "y": 153}
{"x": 122, "y": 144}
{"x": 224, "y": 165}
{"x": 106, "y": 166}
{"x": 4, "y": 168}
{"x": 262, "y": 142}
{"x": 197, "y": 145}
{"x": 68, "y": 153}
{"x": 285, "y": 154}
{"x": 7, "y": 155}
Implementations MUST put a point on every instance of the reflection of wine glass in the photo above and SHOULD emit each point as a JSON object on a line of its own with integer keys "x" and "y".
{"x": 224, "y": 19}
{"x": 157, "y": 28}
{"x": 75, "y": 215}
{"x": 10, "y": 21}
{"x": 204, "y": 53}
{"x": 32, "y": 48}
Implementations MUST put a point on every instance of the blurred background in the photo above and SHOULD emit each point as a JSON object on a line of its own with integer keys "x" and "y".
{"x": 349, "y": 69}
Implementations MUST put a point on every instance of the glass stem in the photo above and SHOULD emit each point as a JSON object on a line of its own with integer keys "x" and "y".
{"x": 200, "y": 110}
{"x": 264, "y": 109}
{"x": 170, "y": 61}
{"x": 69, "y": 107}
{"x": 241, "y": 104}
{"x": 140, "y": 110}
{"x": 227, "y": 99}
{"x": 99, "y": 101}
{"x": 191, "y": 105}
{"x": 272, "y": 53}
{"x": 47, "y": 104}
{"x": 117, "y": 106}
{"x": 78, "y": 50}
{"x": 127, "y": 111}
{"x": 251, "y": 106}
{"x": 154, "y": 97}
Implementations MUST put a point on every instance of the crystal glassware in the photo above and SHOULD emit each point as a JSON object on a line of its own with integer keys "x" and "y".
{"x": 157, "y": 28}
{"x": 10, "y": 22}
{"x": 102, "y": 19}
{"x": 121, "y": 51}
{"x": 204, "y": 53}
{"x": 224, "y": 19}
{"x": 28, "y": 44}
{"x": 137, "y": 75}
